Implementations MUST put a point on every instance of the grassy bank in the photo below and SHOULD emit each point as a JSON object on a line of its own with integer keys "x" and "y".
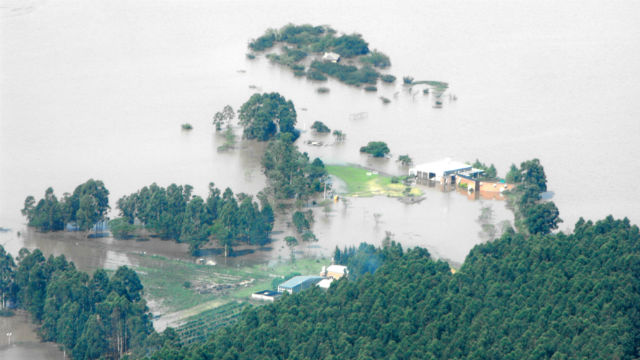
{"x": 361, "y": 182}
{"x": 180, "y": 285}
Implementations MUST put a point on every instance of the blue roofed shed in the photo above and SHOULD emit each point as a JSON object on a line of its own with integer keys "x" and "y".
{"x": 298, "y": 283}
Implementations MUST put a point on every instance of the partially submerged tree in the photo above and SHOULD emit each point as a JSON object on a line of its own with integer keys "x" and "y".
{"x": 405, "y": 160}
{"x": 264, "y": 115}
{"x": 376, "y": 148}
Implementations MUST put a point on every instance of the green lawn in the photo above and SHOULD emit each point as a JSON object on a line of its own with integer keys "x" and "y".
{"x": 362, "y": 182}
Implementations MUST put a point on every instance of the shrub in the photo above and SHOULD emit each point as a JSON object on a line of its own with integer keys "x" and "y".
{"x": 263, "y": 42}
{"x": 187, "y": 126}
{"x": 376, "y": 59}
{"x": 376, "y": 148}
{"x": 251, "y": 56}
{"x": 322, "y": 90}
{"x": 384, "y": 100}
{"x": 320, "y": 127}
{"x": 370, "y": 88}
{"x": 316, "y": 75}
{"x": 387, "y": 78}
{"x": 407, "y": 80}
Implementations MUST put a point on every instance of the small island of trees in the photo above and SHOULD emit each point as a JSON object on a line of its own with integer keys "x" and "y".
{"x": 376, "y": 148}
{"x": 300, "y": 41}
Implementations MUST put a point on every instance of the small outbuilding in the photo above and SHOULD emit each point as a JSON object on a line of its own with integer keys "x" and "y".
{"x": 266, "y": 295}
{"x": 298, "y": 283}
{"x": 335, "y": 271}
{"x": 324, "y": 283}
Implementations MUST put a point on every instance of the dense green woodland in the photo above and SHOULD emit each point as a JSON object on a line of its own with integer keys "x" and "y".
{"x": 89, "y": 316}
{"x": 87, "y": 205}
{"x": 290, "y": 173}
{"x": 541, "y": 297}
{"x": 174, "y": 213}
{"x": 265, "y": 115}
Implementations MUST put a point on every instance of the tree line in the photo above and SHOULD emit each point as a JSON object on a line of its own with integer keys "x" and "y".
{"x": 552, "y": 296}
{"x": 87, "y": 205}
{"x": 174, "y": 213}
{"x": 532, "y": 215}
{"x": 91, "y": 317}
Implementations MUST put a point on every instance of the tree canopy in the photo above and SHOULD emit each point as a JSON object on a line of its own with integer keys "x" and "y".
{"x": 90, "y": 316}
{"x": 542, "y": 297}
{"x": 173, "y": 213}
{"x": 289, "y": 172}
{"x": 264, "y": 115}
{"x": 87, "y": 205}
{"x": 376, "y": 148}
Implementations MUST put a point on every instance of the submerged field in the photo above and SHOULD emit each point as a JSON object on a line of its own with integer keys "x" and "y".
{"x": 362, "y": 182}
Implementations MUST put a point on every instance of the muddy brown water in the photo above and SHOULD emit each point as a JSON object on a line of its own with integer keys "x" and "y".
{"x": 104, "y": 96}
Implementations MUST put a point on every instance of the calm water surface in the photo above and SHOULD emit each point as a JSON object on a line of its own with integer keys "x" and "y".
{"x": 99, "y": 89}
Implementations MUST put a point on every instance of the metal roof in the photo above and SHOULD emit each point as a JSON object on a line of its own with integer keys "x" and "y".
{"x": 440, "y": 168}
{"x": 297, "y": 280}
{"x": 340, "y": 269}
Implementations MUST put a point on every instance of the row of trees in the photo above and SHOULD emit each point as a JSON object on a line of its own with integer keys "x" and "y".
{"x": 290, "y": 173}
{"x": 87, "y": 205}
{"x": 540, "y": 297}
{"x": 174, "y": 213}
{"x": 532, "y": 214}
{"x": 89, "y": 316}
{"x": 315, "y": 39}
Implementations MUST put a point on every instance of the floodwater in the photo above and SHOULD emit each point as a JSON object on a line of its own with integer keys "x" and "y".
{"x": 99, "y": 89}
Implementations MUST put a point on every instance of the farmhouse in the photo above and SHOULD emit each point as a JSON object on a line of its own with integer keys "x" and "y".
{"x": 334, "y": 271}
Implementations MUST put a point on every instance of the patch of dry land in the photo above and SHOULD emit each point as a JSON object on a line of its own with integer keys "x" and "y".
{"x": 364, "y": 183}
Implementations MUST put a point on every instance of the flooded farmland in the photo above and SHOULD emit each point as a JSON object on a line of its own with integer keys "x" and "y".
{"x": 99, "y": 90}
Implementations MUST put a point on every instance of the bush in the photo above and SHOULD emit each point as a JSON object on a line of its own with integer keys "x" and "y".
{"x": 348, "y": 74}
{"x": 320, "y": 127}
{"x": 251, "y": 56}
{"x": 395, "y": 179}
{"x": 387, "y": 78}
{"x": 263, "y": 42}
{"x": 376, "y": 148}
{"x": 187, "y": 126}
{"x": 121, "y": 228}
{"x": 376, "y": 59}
{"x": 186, "y": 285}
{"x": 350, "y": 45}
{"x": 316, "y": 75}
{"x": 299, "y": 73}
{"x": 407, "y": 80}
{"x": 370, "y": 88}
{"x": 384, "y": 100}
{"x": 322, "y": 90}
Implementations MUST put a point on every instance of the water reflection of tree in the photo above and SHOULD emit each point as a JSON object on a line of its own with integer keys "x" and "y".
{"x": 489, "y": 230}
